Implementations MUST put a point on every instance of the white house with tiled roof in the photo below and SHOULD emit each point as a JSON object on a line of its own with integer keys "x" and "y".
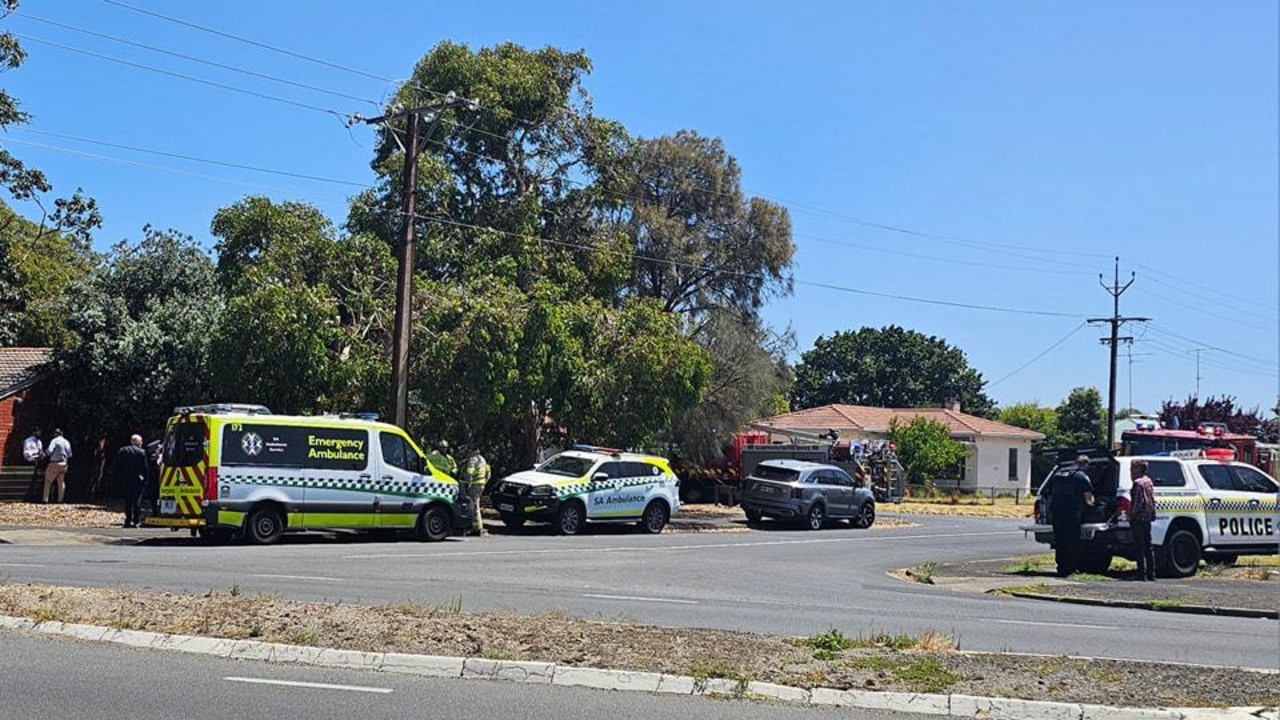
{"x": 999, "y": 455}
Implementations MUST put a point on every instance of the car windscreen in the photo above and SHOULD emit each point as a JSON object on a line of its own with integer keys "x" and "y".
{"x": 567, "y": 465}
{"x": 184, "y": 445}
{"x": 779, "y": 474}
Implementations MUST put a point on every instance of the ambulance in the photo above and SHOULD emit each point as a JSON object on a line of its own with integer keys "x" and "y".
{"x": 231, "y": 470}
{"x": 591, "y": 484}
{"x": 1208, "y": 506}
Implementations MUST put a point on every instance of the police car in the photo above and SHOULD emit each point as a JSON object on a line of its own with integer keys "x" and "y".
{"x": 590, "y": 484}
{"x": 1206, "y": 507}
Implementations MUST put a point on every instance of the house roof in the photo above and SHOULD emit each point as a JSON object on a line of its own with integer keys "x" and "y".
{"x": 21, "y": 367}
{"x": 862, "y": 418}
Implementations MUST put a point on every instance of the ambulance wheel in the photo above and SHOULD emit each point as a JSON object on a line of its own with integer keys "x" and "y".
{"x": 512, "y": 521}
{"x": 1180, "y": 553}
{"x": 265, "y": 525}
{"x": 570, "y": 518}
{"x": 433, "y": 526}
{"x": 654, "y": 517}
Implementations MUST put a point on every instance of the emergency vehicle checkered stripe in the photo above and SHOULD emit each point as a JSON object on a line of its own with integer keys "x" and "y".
{"x": 1198, "y": 504}
{"x": 582, "y": 488}
{"x": 397, "y": 487}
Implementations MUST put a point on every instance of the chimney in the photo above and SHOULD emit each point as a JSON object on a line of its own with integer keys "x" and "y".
{"x": 953, "y": 404}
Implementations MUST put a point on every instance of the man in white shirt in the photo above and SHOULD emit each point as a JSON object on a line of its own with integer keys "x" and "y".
{"x": 55, "y": 472}
{"x": 33, "y": 452}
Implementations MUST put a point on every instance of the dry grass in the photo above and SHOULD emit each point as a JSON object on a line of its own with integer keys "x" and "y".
{"x": 59, "y": 516}
{"x": 966, "y": 507}
{"x": 882, "y": 661}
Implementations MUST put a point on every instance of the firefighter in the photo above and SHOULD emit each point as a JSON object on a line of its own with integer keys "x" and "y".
{"x": 442, "y": 461}
{"x": 476, "y": 475}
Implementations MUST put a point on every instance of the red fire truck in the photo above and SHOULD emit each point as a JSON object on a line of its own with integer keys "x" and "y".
{"x": 1206, "y": 436}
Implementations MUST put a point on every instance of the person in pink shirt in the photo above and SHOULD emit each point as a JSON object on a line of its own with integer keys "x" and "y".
{"x": 1142, "y": 512}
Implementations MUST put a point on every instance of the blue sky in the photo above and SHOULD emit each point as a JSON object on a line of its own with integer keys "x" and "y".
{"x": 1022, "y": 144}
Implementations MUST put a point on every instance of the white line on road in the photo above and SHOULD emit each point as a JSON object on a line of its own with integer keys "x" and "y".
{"x": 1057, "y": 624}
{"x": 641, "y": 599}
{"x": 19, "y": 565}
{"x": 300, "y": 577}
{"x": 317, "y": 686}
{"x": 669, "y": 548}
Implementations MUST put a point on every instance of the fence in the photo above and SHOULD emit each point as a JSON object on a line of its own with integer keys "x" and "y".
{"x": 948, "y": 490}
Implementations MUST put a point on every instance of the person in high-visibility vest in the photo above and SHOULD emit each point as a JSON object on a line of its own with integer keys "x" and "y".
{"x": 476, "y": 475}
{"x": 442, "y": 461}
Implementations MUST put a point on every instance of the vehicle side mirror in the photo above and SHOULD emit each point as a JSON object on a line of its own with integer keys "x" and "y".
{"x": 599, "y": 476}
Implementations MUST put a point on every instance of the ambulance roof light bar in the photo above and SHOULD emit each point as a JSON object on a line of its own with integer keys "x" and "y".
{"x": 223, "y": 409}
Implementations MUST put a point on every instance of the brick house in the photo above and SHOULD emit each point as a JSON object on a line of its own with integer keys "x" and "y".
{"x": 999, "y": 455}
{"x": 27, "y": 399}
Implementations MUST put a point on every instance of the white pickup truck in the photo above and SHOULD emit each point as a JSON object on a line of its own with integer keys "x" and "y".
{"x": 1205, "y": 508}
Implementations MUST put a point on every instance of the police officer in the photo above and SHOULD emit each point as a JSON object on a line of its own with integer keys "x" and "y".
{"x": 476, "y": 474}
{"x": 1072, "y": 495}
{"x": 440, "y": 459}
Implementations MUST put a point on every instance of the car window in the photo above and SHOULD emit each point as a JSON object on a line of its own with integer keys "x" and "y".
{"x": 770, "y": 472}
{"x": 841, "y": 478}
{"x": 184, "y": 445}
{"x": 1250, "y": 480}
{"x": 1166, "y": 473}
{"x": 567, "y": 465}
{"x": 1219, "y": 477}
{"x": 397, "y": 452}
{"x": 611, "y": 470}
{"x": 640, "y": 470}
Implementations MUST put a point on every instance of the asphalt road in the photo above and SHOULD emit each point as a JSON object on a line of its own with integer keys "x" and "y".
{"x": 47, "y": 677}
{"x": 776, "y": 581}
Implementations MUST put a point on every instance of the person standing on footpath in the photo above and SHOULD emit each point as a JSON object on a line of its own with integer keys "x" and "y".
{"x": 1072, "y": 495}
{"x": 130, "y": 470}
{"x": 33, "y": 452}
{"x": 442, "y": 461}
{"x": 476, "y": 473}
{"x": 1142, "y": 512}
{"x": 55, "y": 470}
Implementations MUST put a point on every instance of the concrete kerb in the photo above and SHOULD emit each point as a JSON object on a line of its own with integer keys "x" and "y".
{"x": 544, "y": 673}
{"x": 1145, "y": 605}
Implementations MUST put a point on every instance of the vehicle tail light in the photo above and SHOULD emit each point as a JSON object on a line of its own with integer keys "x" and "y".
{"x": 211, "y": 484}
{"x": 1122, "y": 507}
{"x": 797, "y": 493}
{"x": 1039, "y": 509}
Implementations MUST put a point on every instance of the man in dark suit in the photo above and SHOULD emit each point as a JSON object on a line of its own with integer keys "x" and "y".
{"x": 130, "y": 469}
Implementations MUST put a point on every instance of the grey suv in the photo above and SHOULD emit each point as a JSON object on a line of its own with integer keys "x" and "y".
{"x": 807, "y": 491}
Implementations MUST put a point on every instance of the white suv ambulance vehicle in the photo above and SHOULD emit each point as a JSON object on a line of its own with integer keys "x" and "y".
{"x": 589, "y": 484}
{"x": 1205, "y": 508}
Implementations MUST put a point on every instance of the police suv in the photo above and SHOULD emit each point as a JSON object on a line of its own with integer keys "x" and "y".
{"x": 590, "y": 484}
{"x": 238, "y": 470}
{"x": 1209, "y": 508}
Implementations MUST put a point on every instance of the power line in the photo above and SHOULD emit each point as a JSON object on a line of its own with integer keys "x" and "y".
{"x": 191, "y": 78}
{"x": 738, "y": 273}
{"x": 1192, "y": 283}
{"x": 192, "y": 158}
{"x": 1216, "y": 303}
{"x": 1208, "y": 313}
{"x": 167, "y": 169}
{"x": 974, "y": 263}
{"x": 1159, "y": 329}
{"x": 1041, "y": 354}
{"x": 192, "y": 58}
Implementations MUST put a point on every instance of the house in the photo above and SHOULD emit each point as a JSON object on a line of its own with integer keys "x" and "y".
{"x": 27, "y": 400}
{"x": 999, "y": 456}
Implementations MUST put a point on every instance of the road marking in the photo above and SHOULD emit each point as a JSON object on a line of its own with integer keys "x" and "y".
{"x": 1057, "y": 624}
{"x": 19, "y": 565}
{"x": 669, "y": 548}
{"x": 641, "y": 599}
{"x": 314, "y": 685}
{"x": 301, "y": 577}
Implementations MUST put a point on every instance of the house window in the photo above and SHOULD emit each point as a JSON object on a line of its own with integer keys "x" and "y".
{"x": 1013, "y": 463}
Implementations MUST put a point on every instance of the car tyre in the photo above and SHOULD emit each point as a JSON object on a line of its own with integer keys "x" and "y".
{"x": 569, "y": 519}
{"x": 816, "y": 518}
{"x": 265, "y": 525}
{"x": 753, "y": 517}
{"x": 866, "y": 516}
{"x": 434, "y": 524}
{"x": 512, "y": 521}
{"x": 1180, "y": 553}
{"x": 654, "y": 518}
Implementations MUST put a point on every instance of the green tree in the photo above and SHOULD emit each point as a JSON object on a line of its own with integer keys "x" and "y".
{"x": 1031, "y": 415}
{"x": 888, "y": 367}
{"x": 1082, "y": 421}
{"x": 142, "y": 322}
{"x": 925, "y": 448}
{"x": 305, "y": 326}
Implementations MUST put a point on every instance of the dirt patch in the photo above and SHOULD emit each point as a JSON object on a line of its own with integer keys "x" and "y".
{"x": 1003, "y": 508}
{"x": 896, "y": 663}
{"x": 65, "y": 515}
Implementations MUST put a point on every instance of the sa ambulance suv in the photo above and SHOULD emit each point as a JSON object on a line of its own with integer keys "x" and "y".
{"x": 589, "y": 484}
{"x": 237, "y": 470}
{"x": 1209, "y": 508}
